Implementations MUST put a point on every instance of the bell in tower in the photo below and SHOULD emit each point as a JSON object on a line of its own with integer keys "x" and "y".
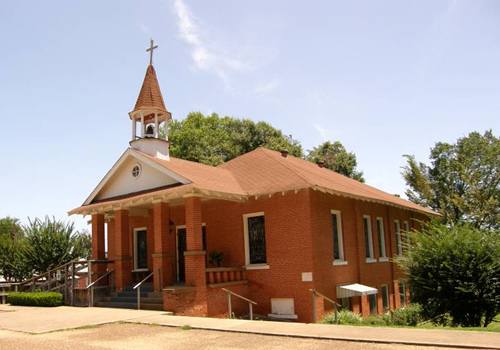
{"x": 150, "y": 131}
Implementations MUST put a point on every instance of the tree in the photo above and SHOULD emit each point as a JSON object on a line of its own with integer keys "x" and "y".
{"x": 13, "y": 266}
{"x": 50, "y": 243}
{"x": 335, "y": 157}
{"x": 10, "y": 227}
{"x": 462, "y": 182}
{"x": 213, "y": 140}
{"x": 455, "y": 270}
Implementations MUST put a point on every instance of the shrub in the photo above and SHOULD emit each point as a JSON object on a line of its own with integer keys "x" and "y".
{"x": 374, "y": 320}
{"x": 35, "y": 298}
{"x": 343, "y": 317}
{"x": 454, "y": 270}
{"x": 409, "y": 315}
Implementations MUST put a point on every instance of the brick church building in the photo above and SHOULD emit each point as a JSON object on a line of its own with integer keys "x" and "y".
{"x": 281, "y": 226}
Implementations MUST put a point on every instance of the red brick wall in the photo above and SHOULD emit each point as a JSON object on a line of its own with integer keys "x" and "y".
{"x": 326, "y": 275}
{"x": 218, "y": 303}
{"x": 298, "y": 239}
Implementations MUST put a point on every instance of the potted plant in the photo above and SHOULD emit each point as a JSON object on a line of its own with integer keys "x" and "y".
{"x": 215, "y": 258}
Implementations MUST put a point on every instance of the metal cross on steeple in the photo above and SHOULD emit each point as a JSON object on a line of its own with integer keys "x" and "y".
{"x": 150, "y": 50}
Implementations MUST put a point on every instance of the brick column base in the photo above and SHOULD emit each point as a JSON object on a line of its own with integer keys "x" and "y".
{"x": 397, "y": 301}
{"x": 163, "y": 268}
{"x": 195, "y": 268}
{"x": 365, "y": 306}
{"x": 186, "y": 301}
{"x": 356, "y": 304}
{"x": 123, "y": 272}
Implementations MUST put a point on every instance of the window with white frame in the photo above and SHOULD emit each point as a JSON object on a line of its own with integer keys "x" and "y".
{"x": 402, "y": 293}
{"x": 384, "y": 289}
{"x": 397, "y": 232}
{"x": 338, "y": 240}
{"x": 406, "y": 235}
{"x": 367, "y": 228}
{"x": 255, "y": 239}
{"x": 381, "y": 239}
{"x": 372, "y": 300}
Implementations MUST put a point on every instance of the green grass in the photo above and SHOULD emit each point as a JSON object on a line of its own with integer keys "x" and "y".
{"x": 348, "y": 318}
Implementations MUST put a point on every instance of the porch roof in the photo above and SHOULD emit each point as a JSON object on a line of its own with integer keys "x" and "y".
{"x": 354, "y": 290}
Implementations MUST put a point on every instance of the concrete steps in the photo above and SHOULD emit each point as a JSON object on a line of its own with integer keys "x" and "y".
{"x": 127, "y": 299}
{"x": 126, "y": 305}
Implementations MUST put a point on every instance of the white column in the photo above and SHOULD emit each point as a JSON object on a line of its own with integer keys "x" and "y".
{"x": 133, "y": 129}
{"x": 156, "y": 126}
{"x": 165, "y": 125}
{"x": 142, "y": 126}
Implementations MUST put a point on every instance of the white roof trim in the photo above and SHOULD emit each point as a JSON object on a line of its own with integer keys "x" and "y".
{"x": 137, "y": 155}
{"x": 354, "y": 290}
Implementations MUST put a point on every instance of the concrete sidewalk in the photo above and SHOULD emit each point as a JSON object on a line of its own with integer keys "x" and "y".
{"x": 37, "y": 320}
{"x": 409, "y": 336}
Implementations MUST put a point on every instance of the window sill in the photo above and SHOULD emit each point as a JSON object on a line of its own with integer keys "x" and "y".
{"x": 383, "y": 259}
{"x": 257, "y": 267}
{"x": 339, "y": 262}
{"x": 371, "y": 260}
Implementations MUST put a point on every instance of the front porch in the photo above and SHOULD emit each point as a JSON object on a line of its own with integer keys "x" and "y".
{"x": 165, "y": 243}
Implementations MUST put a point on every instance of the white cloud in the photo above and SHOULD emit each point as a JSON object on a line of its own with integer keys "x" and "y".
{"x": 205, "y": 56}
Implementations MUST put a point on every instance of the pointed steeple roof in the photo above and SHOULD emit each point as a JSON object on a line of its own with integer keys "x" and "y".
{"x": 150, "y": 97}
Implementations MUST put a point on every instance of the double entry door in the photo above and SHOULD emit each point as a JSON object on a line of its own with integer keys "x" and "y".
{"x": 182, "y": 247}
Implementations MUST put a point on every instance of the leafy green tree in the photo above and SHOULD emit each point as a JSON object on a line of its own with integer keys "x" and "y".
{"x": 13, "y": 266}
{"x": 213, "y": 140}
{"x": 10, "y": 227}
{"x": 462, "y": 182}
{"x": 455, "y": 270}
{"x": 50, "y": 243}
{"x": 335, "y": 157}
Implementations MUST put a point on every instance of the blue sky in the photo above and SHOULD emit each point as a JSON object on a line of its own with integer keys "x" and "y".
{"x": 386, "y": 78}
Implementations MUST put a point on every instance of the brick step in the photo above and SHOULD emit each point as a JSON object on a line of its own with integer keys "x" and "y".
{"x": 125, "y": 305}
{"x": 146, "y": 300}
{"x": 133, "y": 294}
{"x": 144, "y": 287}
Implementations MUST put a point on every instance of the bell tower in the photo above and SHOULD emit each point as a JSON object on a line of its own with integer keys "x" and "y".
{"x": 150, "y": 113}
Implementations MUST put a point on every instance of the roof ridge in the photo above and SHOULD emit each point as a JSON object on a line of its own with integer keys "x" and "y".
{"x": 281, "y": 161}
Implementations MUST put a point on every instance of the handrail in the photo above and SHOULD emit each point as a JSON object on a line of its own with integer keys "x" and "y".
{"x": 100, "y": 278}
{"x": 144, "y": 280}
{"x": 76, "y": 261}
{"x": 316, "y": 293}
{"x": 238, "y": 296}
{"x": 324, "y": 297}
{"x": 48, "y": 272}
{"x": 91, "y": 286}
{"x": 251, "y": 303}
{"x": 138, "y": 287}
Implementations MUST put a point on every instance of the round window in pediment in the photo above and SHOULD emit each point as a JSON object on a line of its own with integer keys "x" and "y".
{"x": 136, "y": 171}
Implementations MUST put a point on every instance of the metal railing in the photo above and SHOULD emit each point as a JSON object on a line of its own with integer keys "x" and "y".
{"x": 316, "y": 294}
{"x": 90, "y": 287}
{"x": 63, "y": 278}
{"x": 230, "y": 293}
{"x": 138, "y": 287}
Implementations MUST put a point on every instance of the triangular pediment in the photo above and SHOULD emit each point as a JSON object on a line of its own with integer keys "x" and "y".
{"x": 133, "y": 174}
